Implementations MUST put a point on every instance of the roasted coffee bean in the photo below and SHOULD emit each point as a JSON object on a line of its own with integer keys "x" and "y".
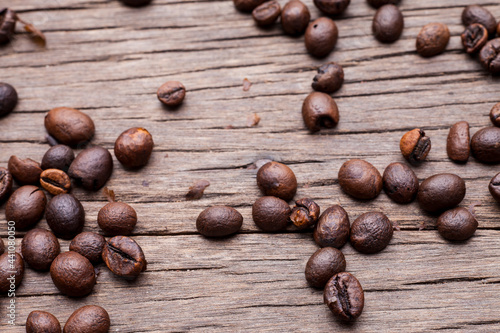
{"x": 457, "y": 144}
{"x": 329, "y": 79}
{"x": 26, "y": 206}
{"x": 276, "y": 179}
{"x": 344, "y": 296}
{"x": 380, "y": 3}
{"x": 371, "y": 232}
{"x": 498, "y": 28}
{"x": 441, "y": 192}
{"x": 319, "y": 110}
{"x": 219, "y": 221}
{"x": 321, "y": 37}
{"x": 400, "y": 183}
{"x": 477, "y": 14}
{"x": 415, "y": 146}
{"x": 65, "y": 216}
{"x": 25, "y": 171}
{"x": 324, "y": 264}
{"x": 388, "y": 24}
{"x": 92, "y": 168}
{"x": 171, "y": 93}
{"x": 69, "y": 126}
{"x": 8, "y": 19}
{"x": 55, "y": 181}
{"x": 432, "y": 39}
{"x": 247, "y": 5}
{"x": 494, "y": 187}
{"x": 88, "y": 319}
{"x": 267, "y": 13}
{"x": 295, "y": 17}
{"x": 305, "y": 214}
{"x": 332, "y": 7}
{"x": 5, "y": 183}
{"x": 39, "y": 248}
{"x": 136, "y": 3}
{"x": 117, "y": 218}
{"x": 10, "y": 264}
{"x": 494, "y": 115}
{"x": 124, "y": 257}
{"x": 90, "y": 245}
{"x": 474, "y": 38}
{"x": 489, "y": 56}
{"x": 133, "y": 147}
{"x": 73, "y": 274}
{"x": 2, "y": 246}
{"x": 8, "y": 97}
{"x": 271, "y": 213}
{"x": 360, "y": 179}
{"x": 333, "y": 227}
{"x": 58, "y": 157}
{"x": 457, "y": 224}
{"x": 42, "y": 322}
{"x": 484, "y": 145}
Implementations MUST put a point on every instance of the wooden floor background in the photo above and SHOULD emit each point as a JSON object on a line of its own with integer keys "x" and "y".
{"x": 108, "y": 60}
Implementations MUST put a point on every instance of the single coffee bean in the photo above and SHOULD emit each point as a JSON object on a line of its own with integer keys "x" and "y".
{"x": 457, "y": 224}
{"x": 124, "y": 257}
{"x": 58, "y": 157}
{"x": 295, "y": 17}
{"x": 400, "y": 183}
{"x": 2, "y": 246}
{"x": 360, "y": 179}
{"x": 333, "y": 227}
{"x": 117, "y": 218}
{"x": 498, "y": 28}
{"x": 432, "y": 39}
{"x": 494, "y": 187}
{"x": 371, "y": 232}
{"x": 332, "y": 7}
{"x": 8, "y": 97}
{"x": 69, "y": 126}
{"x": 136, "y": 3}
{"x": 219, "y": 221}
{"x": 73, "y": 274}
{"x": 441, "y": 192}
{"x": 247, "y": 5}
{"x": 133, "y": 147}
{"x": 484, "y": 145}
{"x": 171, "y": 93}
{"x": 10, "y": 265}
{"x": 271, "y": 213}
{"x": 324, "y": 264}
{"x": 319, "y": 110}
{"x": 42, "y": 322}
{"x": 92, "y": 168}
{"x": 415, "y": 146}
{"x": 90, "y": 245}
{"x": 489, "y": 56}
{"x": 494, "y": 115}
{"x": 5, "y": 183}
{"x": 277, "y": 179}
{"x": 329, "y": 79}
{"x": 474, "y": 38}
{"x": 388, "y": 24}
{"x": 88, "y": 319}
{"x": 457, "y": 144}
{"x": 55, "y": 181}
{"x": 25, "y": 171}
{"x": 26, "y": 206}
{"x": 39, "y": 248}
{"x": 477, "y": 14}
{"x": 305, "y": 214}
{"x": 267, "y": 13}
{"x": 380, "y": 3}
{"x": 344, "y": 296}
{"x": 8, "y": 19}
{"x": 321, "y": 37}
{"x": 65, "y": 216}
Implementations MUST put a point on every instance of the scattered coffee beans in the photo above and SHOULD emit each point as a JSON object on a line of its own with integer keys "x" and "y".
{"x": 432, "y": 39}
{"x": 73, "y": 274}
{"x": 92, "y": 168}
{"x": 10, "y": 265}
{"x": 55, "y": 181}
{"x": 42, "y": 322}
{"x": 360, "y": 179}
{"x": 69, "y": 126}
{"x": 319, "y": 110}
{"x": 124, "y": 257}
{"x": 379, "y": 3}
{"x": 388, "y": 24}
{"x": 489, "y": 56}
{"x": 26, "y": 206}
{"x": 321, "y": 37}
{"x": 271, "y": 213}
{"x": 495, "y": 115}
{"x": 39, "y": 248}
{"x": 277, "y": 179}
{"x": 219, "y": 221}
{"x": 415, "y": 146}
{"x": 329, "y": 79}
{"x": 333, "y": 227}
{"x": 474, "y": 38}
{"x": 305, "y": 214}
{"x": 8, "y": 97}
{"x": 172, "y": 93}
{"x": 457, "y": 144}
{"x": 494, "y": 187}
{"x": 90, "y": 245}
{"x": 457, "y": 224}
{"x": 295, "y": 17}
{"x": 58, "y": 157}
{"x": 8, "y": 19}
{"x": 484, "y": 145}
{"x": 324, "y": 264}
{"x": 441, "y": 192}
{"x": 25, "y": 171}
{"x": 5, "y": 183}
{"x": 371, "y": 232}
{"x": 88, "y": 319}
{"x": 477, "y": 14}
{"x": 267, "y": 13}
{"x": 133, "y": 147}
{"x": 400, "y": 183}
{"x": 344, "y": 296}
{"x": 117, "y": 218}
{"x": 65, "y": 216}
{"x": 332, "y": 7}
{"x": 134, "y": 3}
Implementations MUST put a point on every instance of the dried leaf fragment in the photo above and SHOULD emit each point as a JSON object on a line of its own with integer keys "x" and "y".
{"x": 196, "y": 191}
{"x": 253, "y": 120}
{"x": 246, "y": 84}
{"x": 109, "y": 194}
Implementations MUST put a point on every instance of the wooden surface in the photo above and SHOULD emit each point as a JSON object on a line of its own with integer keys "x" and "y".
{"x": 108, "y": 60}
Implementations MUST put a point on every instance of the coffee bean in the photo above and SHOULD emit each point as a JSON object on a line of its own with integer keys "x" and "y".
{"x": 494, "y": 187}
{"x": 219, "y": 221}
{"x": 271, "y": 213}
{"x": 267, "y": 13}
{"x": 73, "y": 274}
{"x": 65, "y": 216}
{"x": 42, "y": 322}
{"x": 8, "y": 97}
{"x": 332, "y": 7}
{"x": 69, "y": 126}
{"x": 333, "y": 227}
{"x": 117, "y": 218}
{"x": 380, "y": 3}
{"x": 319, "y": 110}
{"x": 321, "y": 37}
{"x": 26, "y": 206}
{"x": 498, "y": 28}
{"x": 295, "y": 17}
{"x": 133, "y": 147}
{"x": 457, "y": 144}
{"x": 457, "y": 224}
{"x": 136, "y": 3}
{"x": 276, "y": 179}
{"x": 88, "y": 319}
{"x": 90, "y": 245}
{"x": 432, "y": 39}
{"x": 441, "y": 192}
{"x": 5, "y": 183}
{"x": 25, "y": 171}
{"x": 2, "y": 246}
{"x": 124, "y": 257}
{"x": 400, "y": 183}
{"x": 305, "y": 214}
{"x": 329, "y": 79}
{"x": 360, "y": 179}
{"x": 171, "y": 93}
{"x": 494, "y": 115}
{"x": 58, "y": 157}
{"x": 477, "y": 14}
{"x": 10, "y": 264}
{"x": 39, "y": 248}
{"x": 55, "y": 181}
{"x": 489, "y": 56}
{"x": 484, "y": 145}
{"x": 474, "y": 38}
{"x": 415, "y": 146}
{"x": 371, "y": 232}
{"x": 344, "y": 296}
{"x": 324, "y": 264}
{"x": 388, "y": 24}
{"x": 8, "y": 19}
{"x": 92, "y": 168}
{"x": 247, "y": 5}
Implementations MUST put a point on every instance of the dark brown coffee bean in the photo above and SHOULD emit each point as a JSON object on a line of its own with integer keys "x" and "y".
{"x": 11, "y": 272}
{"x": 219, "y": 221}
{"x": 319, "y": 110}
{"x": 278, "y": 180}
{"x": 8, "y": 19}
{"x": 400, "y": 183}
{"x": 90, "y": 245}
{"x": 136, "y": 3}
{"x": 133, "y": 147}
{"x": 415, "y": 146}
{"x": 171, "y": 93}
{"x": 489, "y": 56}
{"x": 26, "y": 206}
{"x": 360, "y": 179}
{"x": 484, "y": 145}
{"x": 5, "y": 184}
{"x": 55, "y": 181}
{"x": 305, "y": 214}
{"x": 88, "y": 319}
{"x": 39, "y": 248}
{"x": 267, "y": 13}
{"x": 457, "y": 224}
{"x": 65, "y": 216}
{"x": 494, "y": 187}
{"x": 380, "y": 3}
{"x": 247, "y": 5}
{"x": 474, "y": 38}
{"x": 92, "y": 168}
{"x": 117, "y": 218}
{"x": 321, "y": 37}
{"x": 329, "y": 79}
{"x": 69, "y": 126}
{"x": 457, "y": 144}
{"x": 8, "y": 97}
{"x": 371, "y": 232}
{"x": 58, "y": 157}
{"x": 333, "y": 227}
{"x": 477, "y": 14}
{"x": 344, "y": 296}
{"x": 73, "y": 274}
{"x": 25, "y": 171}
{"x": 42, "y": 322}
{"x": 124, "y": 257}
{"x": 271, "y": 213}
{"x": 432, "y": 39}
{"x": 295, "y": 17}
{"x": 494, "y": 115}
{"x": 441, "y": 192}
{"x": 324, "y": 264}
{"x": 388, "y": 24}
{"x": 332, "y": 7}
{"x": 498, "y": 28}
{"x": 2, "y": 246}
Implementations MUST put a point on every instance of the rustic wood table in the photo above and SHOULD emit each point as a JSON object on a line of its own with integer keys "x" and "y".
{"x": 108, "y": 60}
